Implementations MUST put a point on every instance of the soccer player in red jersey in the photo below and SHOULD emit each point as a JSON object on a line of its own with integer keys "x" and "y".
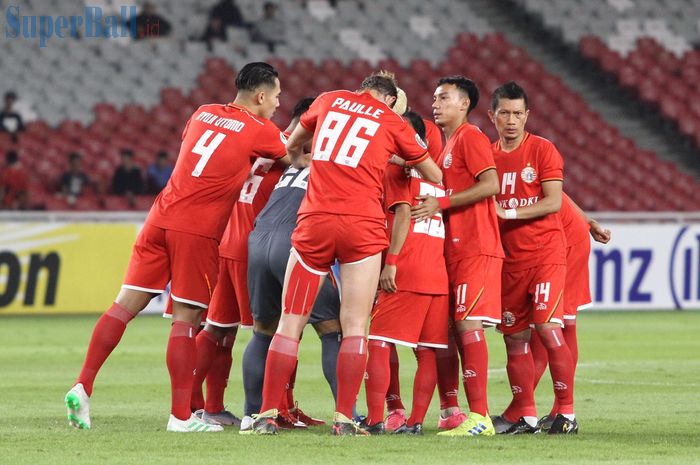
{"x": 577, "y": 291}
{"x": 411, "y": 308}
{"x": 229, "y": 305}
{"x": 354, "y": 135}
{"x": 473, "y": 247}
{"x": 180, "y": 238}
{"x": 532, "y": 175}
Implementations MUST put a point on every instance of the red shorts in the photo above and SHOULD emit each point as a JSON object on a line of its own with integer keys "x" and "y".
{"x": 189, "y": 261}
{"x": 476, "y": 287}
{"x": 532, "y": 296}
{"x": 410, "y": 319}
{"x": 320, "y": 238}
{"x": 577, "y": 289}
{"x": 230, "y": 305}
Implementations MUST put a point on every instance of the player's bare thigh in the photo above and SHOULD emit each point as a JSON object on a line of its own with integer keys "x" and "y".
{"x": 359, "y": 286}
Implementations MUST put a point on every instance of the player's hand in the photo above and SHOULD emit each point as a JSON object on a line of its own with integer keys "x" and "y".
{"x": 426, "y": 209}
{"x": 396, "y": 160}
{"x": 499, "y": 210}
{"x": 387, "y": 280}
{"x": 304, "y": 161}
{"x": 599, "y": 233}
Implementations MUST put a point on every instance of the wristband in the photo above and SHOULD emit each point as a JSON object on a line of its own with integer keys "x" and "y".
{"x": 444, "y": 202}
{"x": 511, "y": 214}
{"x": 391, "y": 259}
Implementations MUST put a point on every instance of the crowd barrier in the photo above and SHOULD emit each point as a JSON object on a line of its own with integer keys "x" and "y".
{"x": 63, "y": 262}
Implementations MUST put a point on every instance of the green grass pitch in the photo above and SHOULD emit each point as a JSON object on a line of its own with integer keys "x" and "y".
{"x": 638, "y": 387}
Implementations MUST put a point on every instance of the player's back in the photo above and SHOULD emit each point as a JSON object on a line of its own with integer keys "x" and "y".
{"x": 214, "y": 162}
{"x": 354, "y": 137}
{"x": 575, "y": 226}
{"x": 281, "y": 209}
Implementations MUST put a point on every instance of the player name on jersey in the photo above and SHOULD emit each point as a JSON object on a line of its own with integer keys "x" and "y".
{"x": 359, "y": 108}
{"x": 221, "y": 122}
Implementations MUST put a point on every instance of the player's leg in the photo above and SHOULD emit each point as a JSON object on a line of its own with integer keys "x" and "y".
{"x": 447, "y": 361}
{"x": 146, "y": 277}
{"x": 195, "y": 267}
{"x": 254, "y": 359}
{"x": 548, "y": 319}
{"x": 360, "y": 281}
{"x": 302, "y": 284}
{"x": 396, "y": 412}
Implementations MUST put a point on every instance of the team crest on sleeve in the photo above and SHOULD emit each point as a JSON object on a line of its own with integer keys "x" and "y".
{"x": 528, "y": 174}
{"x": 447, "y": 162}
{"x": 421, "y": 142}
{"x": 283, "y": 138}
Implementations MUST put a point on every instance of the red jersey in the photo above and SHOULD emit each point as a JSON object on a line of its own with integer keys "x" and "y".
{"x": 473, "y": 229}
{"x": 575, "y": 226}
{"x": 354, "y": 137}
{"x": 539, "y": 241}
{"x": 254, "y": 195}
{"x": 214, "y": 162}
{"x": 433, "y": 136}
{"x": 421, "y": 263}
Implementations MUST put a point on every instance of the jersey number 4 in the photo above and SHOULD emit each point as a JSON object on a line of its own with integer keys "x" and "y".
{"x": 353, "y": 145}
{"x": 205, "y": 148}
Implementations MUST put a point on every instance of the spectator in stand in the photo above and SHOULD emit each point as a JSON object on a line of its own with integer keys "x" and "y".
{"x": 14, "y": 184}
{"x": 150, "y": 24}
{"x": 158, "y": 173}
{"x": 10, "y": 119}
{"x": 228, "y": 13}
{"x": 270, "y": 30}
{"x": 74, "y": 180}
{"x": 127, "y": 180}
{"x": 215, "y": 31}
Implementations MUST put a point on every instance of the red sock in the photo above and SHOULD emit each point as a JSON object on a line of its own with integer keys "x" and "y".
{"x": 377, "y": 379}
{"x": 217, "y": 378}
{"x": 350, "y": 371}
{"x": 423, "y": 384}
{"x": 572, "y": 342}
{"x": 475, "y": 370}
{"x": 107, "y": 333}
{"x": 281, "y": 361}
{"x": 393, "y": 394}
{"x": 447, "y": 361}
{"x": 521, "y": 371}
{"x": 561, "y": 366}
{"x": 181, "y": 359}
{"x": 288, "y": 397}
{"x": 539, "y": 356}
{"x": 207, "y": 344}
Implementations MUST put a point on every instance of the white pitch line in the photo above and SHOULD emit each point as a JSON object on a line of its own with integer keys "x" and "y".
{"x": 635, "y": 383}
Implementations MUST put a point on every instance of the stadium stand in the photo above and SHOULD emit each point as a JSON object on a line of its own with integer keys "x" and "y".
{"x": 97, "y": 97}
{"x": 651, "y": 47}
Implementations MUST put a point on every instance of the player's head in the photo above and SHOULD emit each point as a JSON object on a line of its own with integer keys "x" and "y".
{"x": 299, "y": 109}
{"x": 258, "y": 87}
{"x": 509, "y": 110}
{"x": 381, "y": 86}
{"x": 74, "y": 160}
{"x": 454, "y": 98}
{"x": 417, "y": 122}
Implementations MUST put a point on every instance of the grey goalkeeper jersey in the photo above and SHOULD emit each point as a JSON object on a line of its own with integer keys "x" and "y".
{"x": 283, "y": 204}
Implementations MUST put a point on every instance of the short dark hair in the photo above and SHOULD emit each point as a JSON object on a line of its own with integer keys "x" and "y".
{"x": 126, "y": 153}
{"x": 10, "y": 94}
{"x": 381, "y": 83}
{"x": 11, "y": 157}
{"x": 74, "y": 156}
{"x": 254, "y": 75}
{"x": 511, "y": 91}
{"x": 162, "y": 154}
{"x": 417, "y": 122}
{"x": 301, "y": 106}
{"x": 466, "y": 86}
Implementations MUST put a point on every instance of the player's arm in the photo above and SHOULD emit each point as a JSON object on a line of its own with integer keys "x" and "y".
{"x": 551, "y": 203}
{"x": 429, "y": 170}
{"x": 295, "y": 147}
{"x": 485, "y": 187}
{"x": 399, "y": 232}
{"x": 598, "y": 233}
